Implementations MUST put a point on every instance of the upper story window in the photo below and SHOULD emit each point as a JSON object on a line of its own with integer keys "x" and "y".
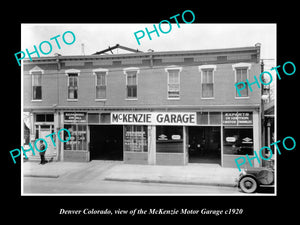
{"x": 207, "y": 80}
{"x": 36, "y": 86}
{"x": 101, "y": 83}
{"x": 131, "y": 82}
{"x": 241, "y": 75}
{"x": 36, "y": 78}
{"x": 173, "y": 82}
{"x": 72, "y": 84}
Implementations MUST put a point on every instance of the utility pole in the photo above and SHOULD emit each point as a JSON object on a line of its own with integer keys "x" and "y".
{"x": 262, "y": 110}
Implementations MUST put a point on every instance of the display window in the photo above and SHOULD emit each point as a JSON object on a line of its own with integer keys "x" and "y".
{"x": 78, "y": 139}
{"x": 135, "y": 138}
{"x": 169, "y": 139}
{"x": 238, "y": 141}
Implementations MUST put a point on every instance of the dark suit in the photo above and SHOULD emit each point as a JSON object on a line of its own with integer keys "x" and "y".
{"x": 42, "y": 154}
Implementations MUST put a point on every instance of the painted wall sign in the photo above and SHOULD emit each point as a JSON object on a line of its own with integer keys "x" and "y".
{"x": 75, "y": 117}
{"x": 237, "y": 118}
{"x": 154, "y": 118}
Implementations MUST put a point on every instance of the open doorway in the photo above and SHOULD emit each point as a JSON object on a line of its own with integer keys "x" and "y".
{"x": 106, "y": 142}
{"x": 204, "y": 145}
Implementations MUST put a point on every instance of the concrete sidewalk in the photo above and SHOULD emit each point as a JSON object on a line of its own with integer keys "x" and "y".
{"x": 201, "y": 174}
{"x": 81, "y": 171}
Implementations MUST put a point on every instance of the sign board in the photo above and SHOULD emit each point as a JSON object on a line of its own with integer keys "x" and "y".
{"x": 237, "y": 118}
{"x": 230, "y": 139}
{"x": 154, "y": 118}
{"x": 75, "y": 117}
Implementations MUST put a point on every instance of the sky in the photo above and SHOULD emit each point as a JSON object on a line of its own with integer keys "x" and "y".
{"x": 195, "y": 36}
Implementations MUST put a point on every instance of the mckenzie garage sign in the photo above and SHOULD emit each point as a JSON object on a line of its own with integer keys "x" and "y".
{"x": 154, "y": 118}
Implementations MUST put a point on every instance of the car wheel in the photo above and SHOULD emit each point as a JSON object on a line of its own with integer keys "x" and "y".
{"x": 248, "y": 184}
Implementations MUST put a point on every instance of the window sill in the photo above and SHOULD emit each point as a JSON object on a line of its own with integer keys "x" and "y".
{"x": 72, "y": 100}
{"x": 242, "y": 97}
{"x": 208, "y": 98}
{"x": 131, "y": 99}
{"x": 100, "y": 100}
{"x": 173, "y": 98}
{"x": 36, "y": 100}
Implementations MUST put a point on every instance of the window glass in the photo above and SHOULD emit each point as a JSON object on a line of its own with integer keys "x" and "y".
{"x": 238, "y": 141}
{"x": 101, "y": 78}
{"x": 72, "y": 86}
{"x": 44, "y": 117}
{"x": 93, "y": 118}
{"x": 135, "y": 139}
{"x": 49, "y": 117}
{"x": 207, "y": 83}
{"x": 169, "y": 139}
{"x": 173, "y": 84}
{"x": 131, "y": 78}
{"x": 101, "y": 92}
{"x": 169, "y": 133}
{"x": 131, "y": 82}
{"x": 202, "y": 117}
{"x": 214, "y": 117}
{"x": 78, "y": 140}
{"x": 241, "y": 76}
{"x": 100, "y": 85}
{"x": 36, "y": 85}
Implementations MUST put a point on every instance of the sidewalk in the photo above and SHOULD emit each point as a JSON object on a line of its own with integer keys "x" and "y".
{"x": 200, "y": 174}
{"x": 81, "y": 171}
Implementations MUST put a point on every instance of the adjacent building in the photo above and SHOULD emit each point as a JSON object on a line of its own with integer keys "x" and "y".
{"x": 160, "y": 108}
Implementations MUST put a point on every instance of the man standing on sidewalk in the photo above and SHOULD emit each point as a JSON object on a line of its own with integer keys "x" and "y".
{"x": 42, "y": 154}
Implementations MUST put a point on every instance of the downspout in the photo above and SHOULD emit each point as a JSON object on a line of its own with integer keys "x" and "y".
{"x": 59, "y": 149}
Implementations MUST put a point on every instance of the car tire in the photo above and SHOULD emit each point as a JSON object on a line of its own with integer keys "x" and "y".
{"x": 248, "y": 184}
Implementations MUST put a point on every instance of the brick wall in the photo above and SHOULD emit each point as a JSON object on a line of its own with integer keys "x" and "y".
{"x": 152, "y": 88}
{"x": 152, "y": 81}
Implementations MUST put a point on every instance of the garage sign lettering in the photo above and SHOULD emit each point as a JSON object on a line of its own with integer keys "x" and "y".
{"x": 156, "y": 118}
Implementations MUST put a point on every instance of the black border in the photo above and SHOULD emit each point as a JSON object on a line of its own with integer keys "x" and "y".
{"x": 35, "y": 208}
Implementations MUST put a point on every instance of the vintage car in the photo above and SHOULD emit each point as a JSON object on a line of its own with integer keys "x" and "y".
{"x": 251, "y": 179}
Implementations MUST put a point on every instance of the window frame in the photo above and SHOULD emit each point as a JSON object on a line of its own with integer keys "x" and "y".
{"x": 100, "y": 70}
{"x": 237, "y": 143}
{"x": 31, "y": 72}
{"x": 211, "y": 68}
{"x": 68, "y": 72}
{"x": 167, "y": 70}
{"x": 126, "y": 70}
{"x": 77, "y": 134}
{"x": 132, "y": 141}
{"x": 235, "y": 67}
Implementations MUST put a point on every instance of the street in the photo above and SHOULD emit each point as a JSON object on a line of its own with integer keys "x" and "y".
{"x": 91, "y": 178}
{"x": 37, "y": 185}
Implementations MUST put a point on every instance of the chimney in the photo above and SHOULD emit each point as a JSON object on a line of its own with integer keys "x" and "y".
{"x": 82, "y": 49}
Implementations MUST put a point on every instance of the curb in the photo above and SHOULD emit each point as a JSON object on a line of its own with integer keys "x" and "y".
{"x": 171, "y": 182}
{"x": 41, "y": 175}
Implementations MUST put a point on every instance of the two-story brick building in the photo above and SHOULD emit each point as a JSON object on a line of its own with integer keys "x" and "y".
{"x": 163, "y": 108}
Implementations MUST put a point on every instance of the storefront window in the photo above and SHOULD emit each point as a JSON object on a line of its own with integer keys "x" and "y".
{"x": 135, "y": 139}
{"x": 169, "y": 139}
{"x": 44, "y": 118}
{"x": 238, "y": 141}
{"x": 78, "y": 139}
{"x": 202, "y": 117}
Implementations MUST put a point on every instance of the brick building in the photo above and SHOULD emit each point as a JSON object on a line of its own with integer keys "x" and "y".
{"x": 162, "y": 108}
